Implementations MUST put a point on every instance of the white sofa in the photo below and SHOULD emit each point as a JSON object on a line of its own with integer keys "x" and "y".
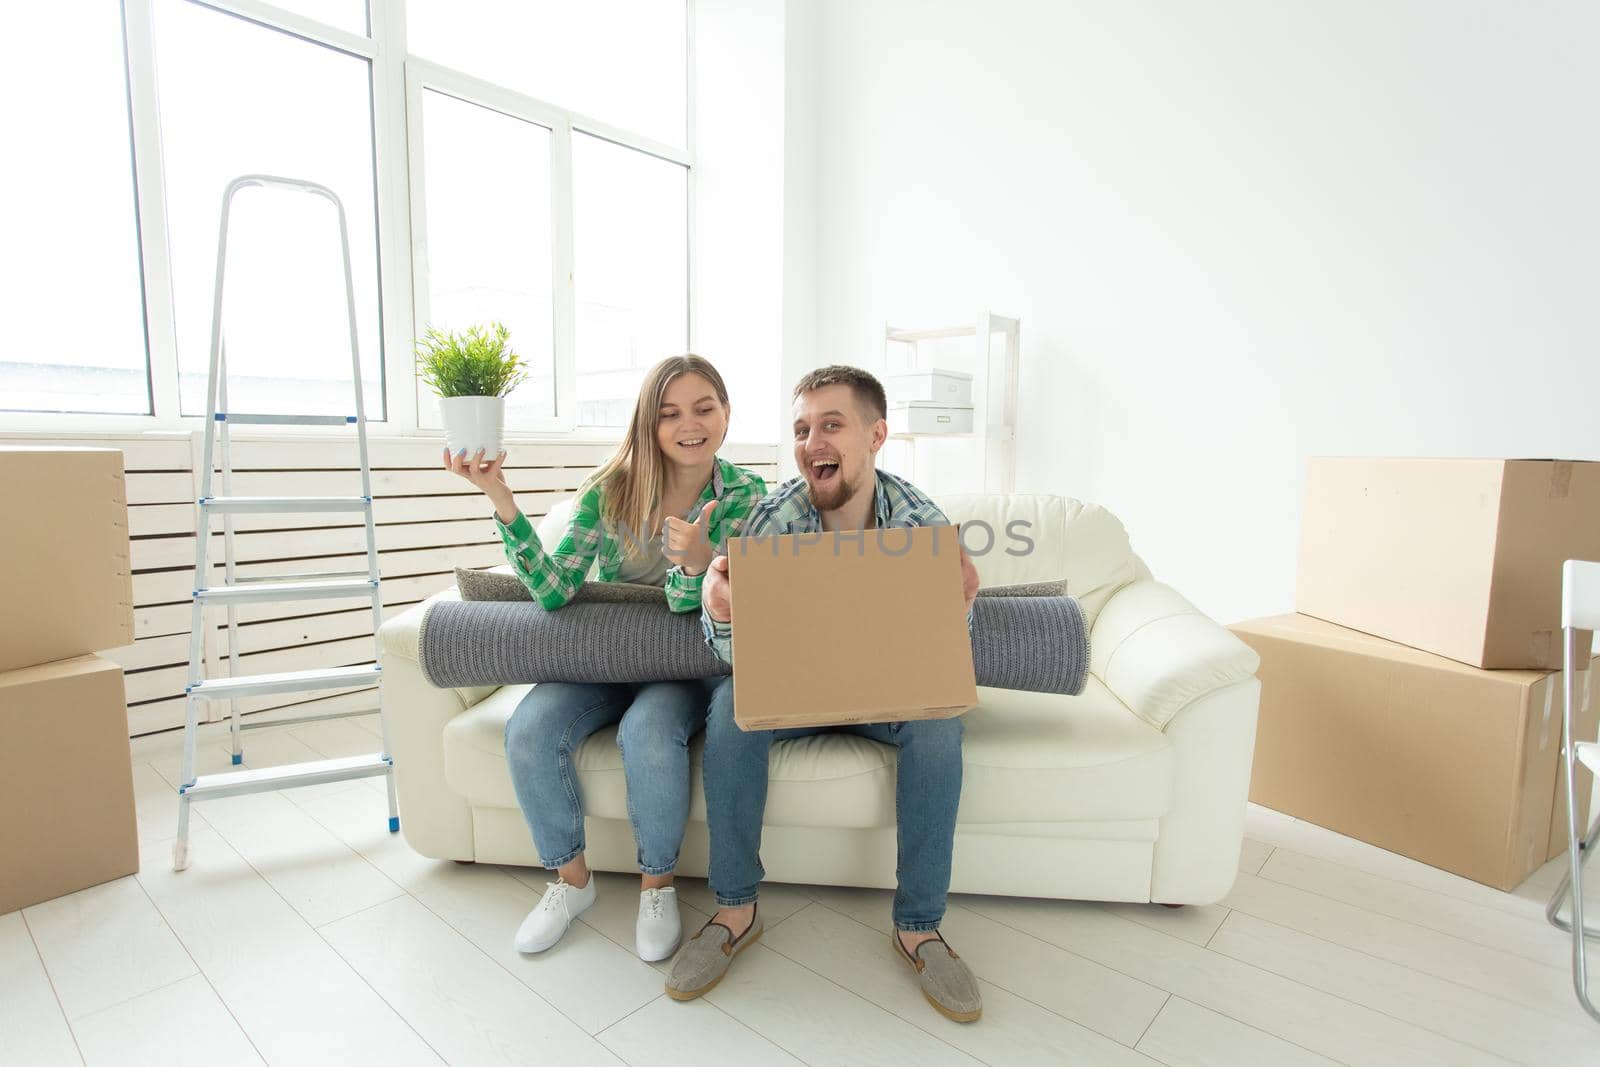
{"x": 1133, "y": 791}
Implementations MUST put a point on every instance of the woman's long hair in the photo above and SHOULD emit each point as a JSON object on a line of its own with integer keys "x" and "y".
{"x": 632, "y": 480}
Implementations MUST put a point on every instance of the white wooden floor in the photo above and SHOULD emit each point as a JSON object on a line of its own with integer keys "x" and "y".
{"x": 304, "y": 933}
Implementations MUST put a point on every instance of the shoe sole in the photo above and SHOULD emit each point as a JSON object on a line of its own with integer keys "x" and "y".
{"x": 667, "y": 955}
{"x": 954, "y": 1016}
{"x": 696, "y": 994}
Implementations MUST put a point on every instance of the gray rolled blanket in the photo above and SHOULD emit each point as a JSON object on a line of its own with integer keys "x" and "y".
{"x": 1040, "y": 644}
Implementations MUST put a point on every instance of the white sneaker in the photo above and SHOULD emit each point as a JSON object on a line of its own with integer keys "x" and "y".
{"x": 659, "y": 929}
{"x": 562, "y": 902}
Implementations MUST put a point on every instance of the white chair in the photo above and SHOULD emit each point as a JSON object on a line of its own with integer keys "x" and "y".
{"x": 1580, "y": 610}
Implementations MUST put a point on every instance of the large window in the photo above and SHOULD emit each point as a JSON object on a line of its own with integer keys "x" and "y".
{"x": 74, "y": 338}
{"x": 621, "y": 62}
{"x": 483, "y": 238}
{"x": 630, "y": 235}
{"x": 497, "y": 160}
{"x": 228, "y": 107}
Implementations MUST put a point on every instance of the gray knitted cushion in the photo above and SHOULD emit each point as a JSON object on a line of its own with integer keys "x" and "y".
{"x": 1035, "y": 643}
{"x": 1058, "y": 587}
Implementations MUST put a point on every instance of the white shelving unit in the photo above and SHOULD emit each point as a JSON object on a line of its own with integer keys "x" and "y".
{"x": 996, "y": 347}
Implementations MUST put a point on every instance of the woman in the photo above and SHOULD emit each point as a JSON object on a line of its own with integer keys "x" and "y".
{"x": 652, "y": 514}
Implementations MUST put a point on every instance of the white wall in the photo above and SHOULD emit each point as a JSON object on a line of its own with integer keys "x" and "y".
{"x": 1237, "y": 234}
{"x": 801, "y": 222}
{"x": 739, "y": 203}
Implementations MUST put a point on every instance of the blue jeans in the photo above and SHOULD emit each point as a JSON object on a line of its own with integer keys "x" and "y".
{"x": 927, "y": 793}
{"x": 658, "y": 719}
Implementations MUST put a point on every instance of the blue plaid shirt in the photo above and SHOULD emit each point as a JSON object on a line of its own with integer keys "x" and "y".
{"x": 788, "y": 510}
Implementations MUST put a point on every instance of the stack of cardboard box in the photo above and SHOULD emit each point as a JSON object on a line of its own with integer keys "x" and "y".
{"x": 66, "y": 781}
{"x": 1416, "y": 699}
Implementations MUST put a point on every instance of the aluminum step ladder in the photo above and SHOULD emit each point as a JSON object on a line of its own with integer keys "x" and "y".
{"x": 237, "y": 590}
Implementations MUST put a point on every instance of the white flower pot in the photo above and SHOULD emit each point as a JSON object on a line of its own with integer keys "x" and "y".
{"x": 474, "y": 422}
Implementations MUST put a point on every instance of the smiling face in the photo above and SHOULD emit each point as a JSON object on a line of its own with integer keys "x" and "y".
{"x": 691, "y": 422}
{"x": 835, "y": 440}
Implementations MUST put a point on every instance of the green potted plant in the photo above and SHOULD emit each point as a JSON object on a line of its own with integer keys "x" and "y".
{"x": 471, "y": 372}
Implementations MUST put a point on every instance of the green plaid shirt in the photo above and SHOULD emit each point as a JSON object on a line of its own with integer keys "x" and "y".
{"x": 895, "y": 502}
{"x": 553, "y": 577}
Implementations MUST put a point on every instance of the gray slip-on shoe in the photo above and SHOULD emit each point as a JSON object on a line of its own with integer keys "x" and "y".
{"x": 946, "y": 981}
{"x": 706, "y": 957}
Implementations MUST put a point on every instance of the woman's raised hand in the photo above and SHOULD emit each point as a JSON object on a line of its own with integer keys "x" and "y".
{"x": 488, "y": 476}
{"x": 688, "y": 542}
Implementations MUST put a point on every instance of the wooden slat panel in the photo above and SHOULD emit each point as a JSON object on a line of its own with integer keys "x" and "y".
{"x": 168, "y": 714}
{"x": 157, "y": 683}
{"x": 345, "y": 653}
{"x": 168, "y": 552}
{"x": 167, "y": 451}
{"x": 147, "y": 519}
{"x": 306, "y": 629}
{"x": 152, "y": 652}
{"x": 164, "y": 619}
{"x": 175, "y": 519}
{"x": 150, "y": 718}
{"x": 160, "y": 488}
{"x": 387, "y": 483}
{"x": 160, "y": 620}
{"x": 331, "y": 451}
{"x": 172, "y": 586}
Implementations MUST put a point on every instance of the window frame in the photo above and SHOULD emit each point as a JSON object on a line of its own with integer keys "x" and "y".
{"x": 396, "y": 81}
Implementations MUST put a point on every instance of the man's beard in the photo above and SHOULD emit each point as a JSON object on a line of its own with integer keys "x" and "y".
{"x": 833, "y": 496}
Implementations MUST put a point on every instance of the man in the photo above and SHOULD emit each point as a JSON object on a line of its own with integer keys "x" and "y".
{"x": 839, "y": 426}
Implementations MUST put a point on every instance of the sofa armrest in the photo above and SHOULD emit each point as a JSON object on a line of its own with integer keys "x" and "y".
{"x": 435, "y": 819}
{"x": 402, "y": 636}
{"x": 1159, "y": 654}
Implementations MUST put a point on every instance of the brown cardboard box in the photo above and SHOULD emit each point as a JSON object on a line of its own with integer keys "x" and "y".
{"x": 1412, "y": 752}
{"x": 66, "y": 781}
{"x": 1461, "y": 557}
{"x": 832, "y": 629}
{"x": 63, "y": 554}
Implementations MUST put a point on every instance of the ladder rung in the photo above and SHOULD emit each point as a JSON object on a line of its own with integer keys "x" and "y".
{"x": 284, "y": 682}
{"x": 1588, "y": 753}
{"x": 306, "y": 576}
{"x": 238, "y": 505}
{"x": 244, "y": 419}
{"x": 267, "y": 591}
{"x": 260, "y": 779}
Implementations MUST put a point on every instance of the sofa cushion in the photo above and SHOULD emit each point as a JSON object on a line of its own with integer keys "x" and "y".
{"x": 1030, "y": 757}
{"x": 1037, "y": 537}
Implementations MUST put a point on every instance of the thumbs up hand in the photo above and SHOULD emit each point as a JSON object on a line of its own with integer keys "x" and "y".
{"x": 687, "y": 542}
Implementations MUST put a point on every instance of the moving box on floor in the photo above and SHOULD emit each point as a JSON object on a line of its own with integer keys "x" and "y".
{"x": 64, "y": 574}
{"x": 1412, "y": 752}
{"x": 66, "y": 781}
{"x": 1461, "y": 557}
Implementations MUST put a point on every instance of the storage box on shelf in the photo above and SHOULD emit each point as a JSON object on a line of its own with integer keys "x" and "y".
{"x": 927, "y": 403}
{"x": 919, "y": 417}
{"x": 947, "y": 388}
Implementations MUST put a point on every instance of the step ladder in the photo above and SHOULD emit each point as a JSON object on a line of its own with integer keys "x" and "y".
{"x": 237, "y": 589}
